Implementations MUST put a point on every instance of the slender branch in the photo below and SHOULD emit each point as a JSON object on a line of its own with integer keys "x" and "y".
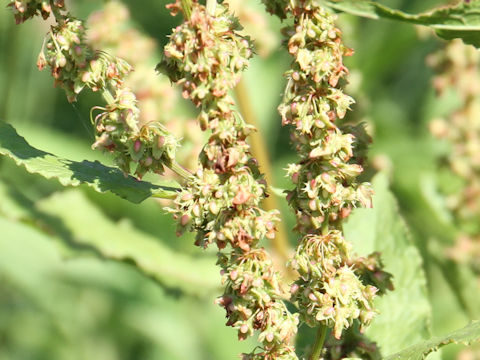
{"x": 164, "y": 195}
{"x": 260, "y": 152}
{"x": 319, "y": 340}
{"x": 211, "y": 7}
{"x": 180, "y": 171}
{"x": 187, "y": 8}
{"x": 108, "y": 97}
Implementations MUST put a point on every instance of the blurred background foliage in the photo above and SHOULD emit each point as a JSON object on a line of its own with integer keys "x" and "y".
{"x": 63, "y": 296}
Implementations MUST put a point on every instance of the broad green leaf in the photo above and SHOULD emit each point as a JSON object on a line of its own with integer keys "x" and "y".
{"x": 405, "y": 313}
{"x": 459, "y": 21}
{"x": 467, "y": 335}
{"x": 83, "y": 224}
{"x": 73, "y": 173}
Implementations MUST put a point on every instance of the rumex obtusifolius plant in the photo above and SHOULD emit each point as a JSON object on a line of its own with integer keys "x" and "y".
{"x": 221, "y": 201}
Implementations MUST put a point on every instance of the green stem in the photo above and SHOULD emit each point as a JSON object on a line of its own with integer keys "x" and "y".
{"x": 325, "y": 228}
{"x": 180, "y": 171}
{"x": 211, "y": 7}
{"x": 108, "y": 97}
{"x": 187, "y": 8}
{"x": 162, "y": 194}
{"x": 319, "y": 340}
{"x": 260, "y": 152}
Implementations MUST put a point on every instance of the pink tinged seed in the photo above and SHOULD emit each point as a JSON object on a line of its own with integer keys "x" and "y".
{"x": 295, "y": 178}
{"x": 160, "y": 141}
{"x": 294, "y": 288}
{"x": 328, "y": 311}
{"x": 187, "y": 197}
{"x": 184, "y": 219}
{"x": 269, "y": 337}
{"x": 137, "y": 146}
{"x": 61, "y": 39}
{"x": 62, "y": 61}
{"x": 244, "y": 329}
{"x": 213, "y": 208}
{"x": 289, "y": 196}
{"x": 86, "y": 77}
{"x": 196, "y": 210}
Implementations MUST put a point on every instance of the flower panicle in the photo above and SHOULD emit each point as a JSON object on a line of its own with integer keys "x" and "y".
{"x": 205, "y": 56}
{"x": 26, "y": 9}
{"x": 334, "y": 288}
{"x": 75, "y": 66}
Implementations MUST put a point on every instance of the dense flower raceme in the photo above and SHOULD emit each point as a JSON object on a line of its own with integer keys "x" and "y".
{"x": 458, "y": 70}
{"x": 112, "y": 30}
{"x": 74, "y": 66}
{"x": 333, "y": 289}
{"x": 221, "y": 204}
{"x": 26, "y": 9}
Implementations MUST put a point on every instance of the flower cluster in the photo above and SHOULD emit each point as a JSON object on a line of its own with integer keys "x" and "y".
{"x": 206, "y": 55}
{"x": 251, "y": 286}
{"x": 352, "y": 345}
{"x": 333, "y": 289}
{"x": 74, "y": 66}
{"x": 458, "y": 70}
{"x": 149, "y": 147}
{"x": 26, "y": 9}
{"x": 112, "y": 30}
{"x": 66, "y": 54}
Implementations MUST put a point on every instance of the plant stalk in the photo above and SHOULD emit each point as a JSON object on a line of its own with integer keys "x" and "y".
{"x": 211, "y": 7}
{"x": 319, "y": 340}
{"x": 108, "y": 97}
{"x": 187, "y": 8}
{"x": 260, "y": 152}
{"x": 180, "y": 171}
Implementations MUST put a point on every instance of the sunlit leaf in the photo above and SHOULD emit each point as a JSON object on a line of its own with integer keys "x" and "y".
{"x": 459, "y": 21}
{"x": 73, "y": 173}
{"x": 467, "y": 335}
